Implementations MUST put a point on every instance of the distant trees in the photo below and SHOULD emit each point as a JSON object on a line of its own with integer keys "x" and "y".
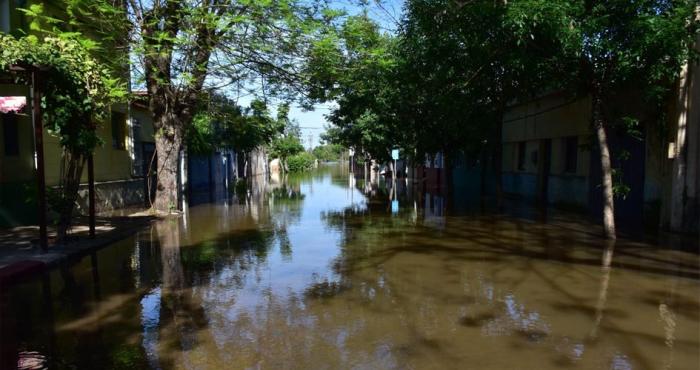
{"x": 284, "y": 147}
{"x": 220, "y": 123}
{"x": 328, "y": 152}
{"x": 300, "y": 162}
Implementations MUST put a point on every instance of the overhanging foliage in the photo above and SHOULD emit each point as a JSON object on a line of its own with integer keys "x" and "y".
{"x": 77, "y": 91}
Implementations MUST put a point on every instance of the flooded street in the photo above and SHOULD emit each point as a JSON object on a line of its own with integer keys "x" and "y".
{"x": 317, "y": 274}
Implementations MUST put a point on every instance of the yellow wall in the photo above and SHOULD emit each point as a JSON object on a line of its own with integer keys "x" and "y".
{"x": 110, "y": 163}
{"x": 552, "y": 117}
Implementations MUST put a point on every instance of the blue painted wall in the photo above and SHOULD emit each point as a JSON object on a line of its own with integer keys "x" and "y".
{"x": 568, "y": 190}
{"x": 520, "y": 183}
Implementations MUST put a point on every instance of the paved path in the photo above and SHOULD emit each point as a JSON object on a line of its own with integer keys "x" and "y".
{"x": 20, "y": 254}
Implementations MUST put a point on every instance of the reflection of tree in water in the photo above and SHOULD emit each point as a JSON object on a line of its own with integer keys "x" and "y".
{"x": 287, "y": 193}
{"x": 405, "y": 270}
{"x": 185, "y": 332}
{"x": 286, "y": 204}
{"x": 180, "y": 318}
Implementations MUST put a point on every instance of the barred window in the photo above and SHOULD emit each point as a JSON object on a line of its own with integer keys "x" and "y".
{"x": 571, "y": 154}
{"x": 521, "y": 155}
{"x": 118, "y": 130}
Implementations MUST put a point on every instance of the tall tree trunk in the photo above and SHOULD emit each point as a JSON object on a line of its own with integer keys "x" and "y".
{"x": 173, "y": 105}
{"x": 168, "y": 145}
{"x": 605, "y": 164}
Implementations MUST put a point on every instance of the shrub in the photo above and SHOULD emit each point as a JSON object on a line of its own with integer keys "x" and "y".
{"x": 301, "y": 162}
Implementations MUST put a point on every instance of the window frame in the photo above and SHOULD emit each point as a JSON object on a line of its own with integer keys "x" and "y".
{"x": 571, "y": 154}
{"x": 6, "y": 16}
{"x": 521, "y": 160}
{"x": 118, "y": 130}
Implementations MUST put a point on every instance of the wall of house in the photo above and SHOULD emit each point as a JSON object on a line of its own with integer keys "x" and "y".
{"x": 116, "y": 186}
{"x": 112, "y": 195}
{"x": 110, "y": 163}
{"x": 681, "y": 205}
{"x": 557, "y": 118}
{"x": 657, "y": 171}
{"x": 112, "y": 160}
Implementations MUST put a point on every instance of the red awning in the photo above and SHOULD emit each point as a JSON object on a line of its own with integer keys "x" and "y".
{"x": 12, "y": 104}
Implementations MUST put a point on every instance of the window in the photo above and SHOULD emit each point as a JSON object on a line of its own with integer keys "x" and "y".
{"x": 571, "y": 154}
{"x": 10, "y": 134}
{"x": 118, "y": 130}
{"x": 5, "y": 16}
{"x": 521, "y": 156}
{"x": 138, "y": 148}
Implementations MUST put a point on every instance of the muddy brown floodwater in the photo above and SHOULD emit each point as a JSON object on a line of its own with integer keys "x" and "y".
{"x": 320, "y": 274}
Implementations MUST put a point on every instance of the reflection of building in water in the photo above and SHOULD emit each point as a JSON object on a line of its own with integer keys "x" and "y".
{"x": 434, "y": 210}
{"x": 430, "y": 173}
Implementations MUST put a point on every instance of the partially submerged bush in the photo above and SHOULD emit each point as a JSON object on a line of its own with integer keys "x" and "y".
{"x": 301, "y": 162}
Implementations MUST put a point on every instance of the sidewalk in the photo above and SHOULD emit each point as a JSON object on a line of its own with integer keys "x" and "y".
{"x": 20, "y": 254}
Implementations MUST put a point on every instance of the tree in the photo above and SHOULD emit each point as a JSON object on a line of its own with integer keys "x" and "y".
{"x": 220, "y": 123}
{"x": 464, "y": 62}
{"x": 328, "y": 152}
{"x": 184, "y": 48}
{"x": 284, "y": 147}
{"x": 364, "y": 89}
{"x": 619, "y": 46}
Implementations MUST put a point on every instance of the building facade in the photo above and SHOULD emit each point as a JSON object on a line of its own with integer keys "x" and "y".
{"x": 546, "y": 152}
{"x": 550, "y": 156}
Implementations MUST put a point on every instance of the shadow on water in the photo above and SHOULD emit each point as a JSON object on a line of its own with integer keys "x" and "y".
{"x": 325, "y": 270}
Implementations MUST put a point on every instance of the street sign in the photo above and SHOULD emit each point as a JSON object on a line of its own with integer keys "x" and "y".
{"x": 394, "y": 154}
